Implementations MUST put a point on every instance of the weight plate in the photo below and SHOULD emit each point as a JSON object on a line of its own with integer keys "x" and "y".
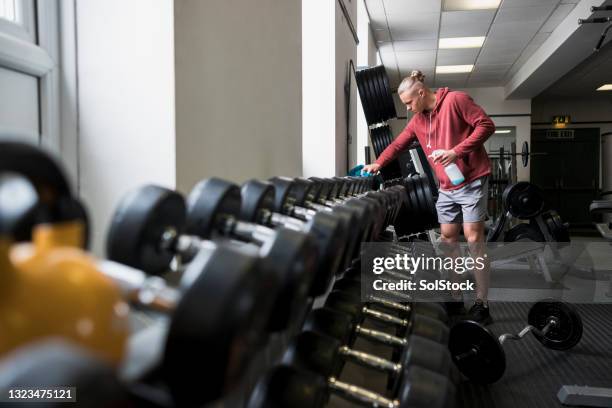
{"x": 208, "y": 204}
{"x": 432, "y": 219}
{"x": 495, "y": 232}
{"x": 421, "y": 198}
{"x": 218, "y": 323}
{"x": 476, "y": 352}
{"x": 523, "y": 200}
{"x": 415, "y": 221}
{"x": 380, "y": 91}
{"x": 524, "y": 232}
{"x": 373, "y": 97}
{"x": 363, "y": 94}
{"x": 141, "y": 219}
{"x": 385, "y": 93}
{"x": 556, "y": 227}
{"x": 365, "y": 100}
{"x": 568, "y": 329}
{"x": 380, "y": 102}
{"x": 392, "y": 113}
{"x": 525, "y": 154}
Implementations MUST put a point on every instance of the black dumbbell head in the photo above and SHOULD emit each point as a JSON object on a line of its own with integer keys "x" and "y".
{"x": 138, "y": 226}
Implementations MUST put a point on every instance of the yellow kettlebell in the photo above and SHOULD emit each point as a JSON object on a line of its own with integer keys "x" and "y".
{"x": 50, "y": 286}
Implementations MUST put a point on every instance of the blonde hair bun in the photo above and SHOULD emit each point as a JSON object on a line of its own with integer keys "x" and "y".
{"x": 417, "y": 75}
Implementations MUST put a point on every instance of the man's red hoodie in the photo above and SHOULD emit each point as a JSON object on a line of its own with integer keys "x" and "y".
{"x": 455, "y": 122}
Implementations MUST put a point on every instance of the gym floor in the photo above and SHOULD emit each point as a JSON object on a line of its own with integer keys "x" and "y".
{"x": 534, "y": 373}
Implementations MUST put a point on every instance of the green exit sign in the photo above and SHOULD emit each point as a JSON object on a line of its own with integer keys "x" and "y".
{"x": 561, "y": 120}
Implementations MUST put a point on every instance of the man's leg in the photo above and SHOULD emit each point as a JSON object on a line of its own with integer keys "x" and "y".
{"x": 474, "y": 233}
{"x": 449, "y": 217}
{"x": 474, "y": 207}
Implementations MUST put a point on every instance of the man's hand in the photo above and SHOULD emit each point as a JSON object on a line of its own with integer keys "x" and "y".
{"x": 445, "y": 157}
{"x": 373, "y": 168}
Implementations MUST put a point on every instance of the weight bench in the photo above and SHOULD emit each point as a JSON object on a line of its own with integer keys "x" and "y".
{"x": 584, "y": 395}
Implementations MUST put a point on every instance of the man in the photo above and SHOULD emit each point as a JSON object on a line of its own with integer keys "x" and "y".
{"x": 450, "y": 121}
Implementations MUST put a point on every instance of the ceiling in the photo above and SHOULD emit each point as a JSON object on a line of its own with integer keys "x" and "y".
{"x": 585, "y": 77}
{"x": 407, "y": 34}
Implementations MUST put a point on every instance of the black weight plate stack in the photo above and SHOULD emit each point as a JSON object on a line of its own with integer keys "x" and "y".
{"x": 389, "y": 104}
{"x": 364, "y": 96}
{"x": 524, "y": 231}
{"x": 523, "y": 200}
{"x": 374, "y": 100}
{"x": 377, "y": 94}
{"x": 568, "y": 329}
{"x": 430, "y": 205}
{"x": 139, "y": 222}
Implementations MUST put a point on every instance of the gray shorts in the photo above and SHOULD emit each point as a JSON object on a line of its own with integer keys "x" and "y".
{"x": 466, "y": 204}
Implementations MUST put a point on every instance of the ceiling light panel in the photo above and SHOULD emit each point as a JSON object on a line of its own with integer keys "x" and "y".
{"x": 412, "y": 6}
{"x": 606, "y": 87}
{"x": 454, "y": 69}
{"x": 454, "y": 5}
{"x": 461, "y": 42}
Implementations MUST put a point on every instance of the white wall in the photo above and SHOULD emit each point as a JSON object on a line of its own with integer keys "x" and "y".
{"x": 125, "y": 100}
{"x": 327, "y": 47}
{"x": 238, "y": 89}
{"x": 346, "y": 51}
{"x": 366, "y": 56}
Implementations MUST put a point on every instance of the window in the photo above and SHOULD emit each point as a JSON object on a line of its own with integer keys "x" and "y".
{"x": 7, "y": 10}
{"x": 17, "y": 19}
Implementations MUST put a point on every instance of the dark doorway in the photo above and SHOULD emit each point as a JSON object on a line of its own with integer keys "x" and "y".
{"x": 569, "y": 172}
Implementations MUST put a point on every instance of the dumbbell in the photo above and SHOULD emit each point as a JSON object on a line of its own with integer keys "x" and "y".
{"x": 413, "y": 349}
{"x": 418, "y": 322}
{"x": 213, "y": 211}
{"x": 479, "y": 355}
{"x": 219, "y": 311}
{"x": 327, "y": 230}
{"x": 325, "y": 355}
{"x": 325, "y": 192}
{"x": 286, "y": 386}
{"x": 50, "y": 286}
{"x": 295, "y": 196}
{"x": 352, "y": 288}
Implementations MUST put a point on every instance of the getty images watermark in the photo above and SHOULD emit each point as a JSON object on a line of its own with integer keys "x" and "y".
{"x": 518, "y": 271}
{"x": 410, "y": 265}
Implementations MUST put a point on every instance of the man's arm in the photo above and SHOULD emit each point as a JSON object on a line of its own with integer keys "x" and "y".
{"x": 400, "y": 143}
{"x": 478, "y": 119}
